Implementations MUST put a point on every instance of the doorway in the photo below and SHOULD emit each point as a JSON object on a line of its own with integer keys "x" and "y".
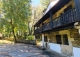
{"x": 46, "y": 41}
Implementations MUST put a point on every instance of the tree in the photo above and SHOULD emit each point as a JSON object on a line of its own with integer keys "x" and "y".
{"x": 17, "y": 13}
{"x": 38, "y": 10}
{"x": 45, "y": 3}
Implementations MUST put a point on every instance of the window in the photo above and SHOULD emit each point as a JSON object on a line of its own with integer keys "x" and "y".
{"x": 65, "y": 39}
{"x": 45, "y": 39}
{"x": 38, "y": 37}
{"x": 58, "y": 39}
{"x": 62, "y": 39}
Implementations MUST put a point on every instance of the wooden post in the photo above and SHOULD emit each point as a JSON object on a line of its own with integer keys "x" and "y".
{"x": 77, "y": 5}
{"x": 51, "y": 24}
{"x": 43, "y": 41}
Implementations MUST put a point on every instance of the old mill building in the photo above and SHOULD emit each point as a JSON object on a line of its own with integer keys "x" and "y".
{"x": 59, "y": 27}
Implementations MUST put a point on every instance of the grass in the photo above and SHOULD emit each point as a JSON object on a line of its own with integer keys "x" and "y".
{"x": 9, "y": 39}
{"x": 6, "y": 42}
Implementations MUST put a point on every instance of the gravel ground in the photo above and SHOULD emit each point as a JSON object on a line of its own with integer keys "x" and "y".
{"x": 21, "y": 50}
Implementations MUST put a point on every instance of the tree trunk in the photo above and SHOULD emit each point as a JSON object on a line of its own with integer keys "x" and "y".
{"x": 29, "y": 29}
{"x": 13, "y": 31}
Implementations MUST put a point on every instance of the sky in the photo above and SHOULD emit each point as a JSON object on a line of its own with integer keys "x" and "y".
{"x": 35, "y": 2}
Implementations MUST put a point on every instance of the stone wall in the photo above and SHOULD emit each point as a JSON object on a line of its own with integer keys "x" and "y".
{"x": 52, "y": 37}
{"x": 33, "y": 42}
{"x": 75, "y": 34}
{"x": 65, "y": 49}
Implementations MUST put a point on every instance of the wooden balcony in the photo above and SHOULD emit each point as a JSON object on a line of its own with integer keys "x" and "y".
{"x": 65, "y": 19}
{"x": 46, "y": 27}
{"x": 38, "y": 30}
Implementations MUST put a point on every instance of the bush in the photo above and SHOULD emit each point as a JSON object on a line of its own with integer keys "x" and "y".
{"x": 31, "y": 37}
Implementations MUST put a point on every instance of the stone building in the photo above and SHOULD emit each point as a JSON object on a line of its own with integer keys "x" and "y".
{"x": 59, "y": 28}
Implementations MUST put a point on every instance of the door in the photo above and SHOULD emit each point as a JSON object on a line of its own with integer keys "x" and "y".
{"x": 58, "y": 39}
{"x": 46, "y": 41}
{"x": 65, "y": 39}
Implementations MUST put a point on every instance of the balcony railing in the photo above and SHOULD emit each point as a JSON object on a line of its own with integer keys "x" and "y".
{"x": 65, "y": 19}
{"x": 38, "y": 30}
{"x": 46, "y": 27}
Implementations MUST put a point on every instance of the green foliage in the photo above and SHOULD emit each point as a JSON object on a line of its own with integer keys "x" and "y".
{"x": 31, "y": 37}
{"x": 44, "y": 3}
{"x": 16, "y": 16}
{"x": 18, "y": 11}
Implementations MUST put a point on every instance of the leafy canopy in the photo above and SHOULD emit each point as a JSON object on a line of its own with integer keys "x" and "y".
{"x": 16, "y": 14}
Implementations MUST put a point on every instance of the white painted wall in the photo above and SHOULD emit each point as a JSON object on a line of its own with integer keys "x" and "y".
{"x": 76, "y": 52}
{"x": 55, "y": 47}
{"x": 63, "y": 49}
{"x": 41, "y": 43}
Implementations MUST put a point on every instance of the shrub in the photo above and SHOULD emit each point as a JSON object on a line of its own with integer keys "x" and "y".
{"x": 31, "y": 37}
